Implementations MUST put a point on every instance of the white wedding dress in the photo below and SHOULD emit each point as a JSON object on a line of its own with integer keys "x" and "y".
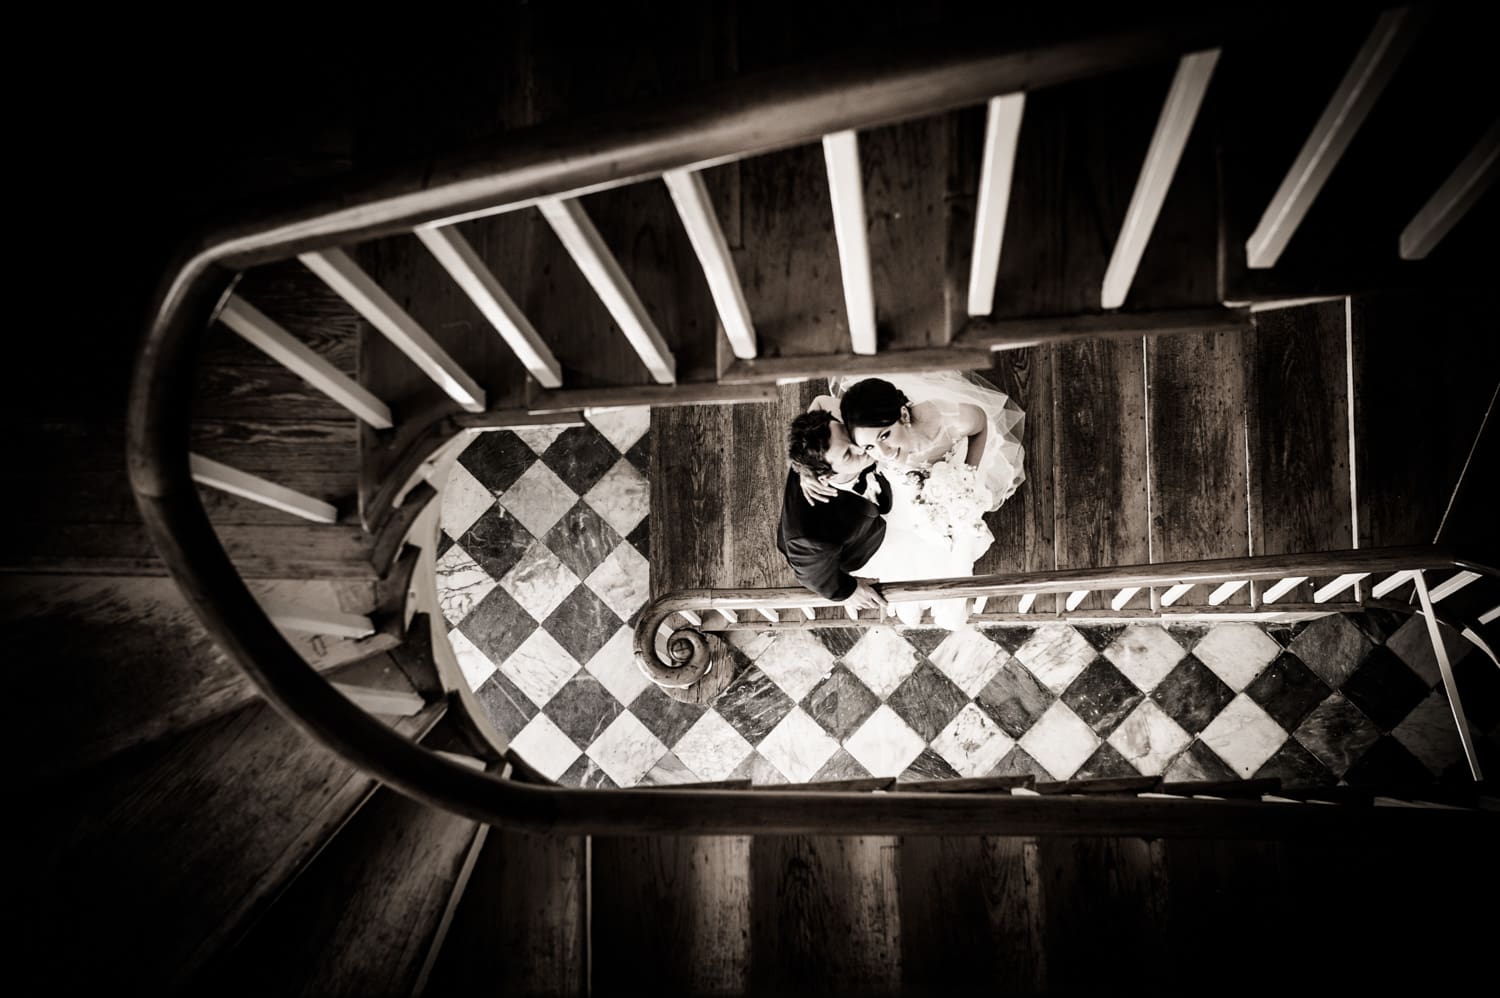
{"x": 1001, "y": 469}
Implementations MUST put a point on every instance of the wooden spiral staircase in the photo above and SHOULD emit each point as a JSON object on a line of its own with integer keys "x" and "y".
{"x": 252, "y": 765}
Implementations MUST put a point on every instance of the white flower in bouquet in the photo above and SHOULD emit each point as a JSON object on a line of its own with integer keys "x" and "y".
{"x": 951, "y": 502}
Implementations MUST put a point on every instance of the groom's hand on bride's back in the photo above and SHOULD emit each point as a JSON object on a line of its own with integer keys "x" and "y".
{"x": 865, "y": 596}
{"x": 815, "y": 490}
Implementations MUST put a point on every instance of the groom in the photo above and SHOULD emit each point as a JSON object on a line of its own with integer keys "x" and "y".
{"x": 826, "y": 542}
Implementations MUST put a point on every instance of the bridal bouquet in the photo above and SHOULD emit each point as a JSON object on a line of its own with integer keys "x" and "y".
{"x": 950, "y": 505}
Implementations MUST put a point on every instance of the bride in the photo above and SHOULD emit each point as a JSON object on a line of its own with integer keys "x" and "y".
{"x": 910, "y": 422}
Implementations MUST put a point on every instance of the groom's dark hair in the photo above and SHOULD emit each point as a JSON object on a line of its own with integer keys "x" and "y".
{"x": 807, "y": 442}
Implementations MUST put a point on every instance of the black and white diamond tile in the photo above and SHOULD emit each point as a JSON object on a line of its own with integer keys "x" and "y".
{"x": 545, "y": 565}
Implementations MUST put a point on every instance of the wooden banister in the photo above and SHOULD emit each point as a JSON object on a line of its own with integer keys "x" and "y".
{"x": 909, "y": 77}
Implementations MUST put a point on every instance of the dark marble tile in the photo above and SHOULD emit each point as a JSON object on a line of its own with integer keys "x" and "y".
{"x": 1187, "y": 635}
{"x": 444, "y": 543}
{"x": 842, "y": 766}
{"x": 758, "y": 770}
{"x": 1384, "y": 688}
{"x": 925, "y": 639}
{"x": 1288, "y": 690}
{"x": 928, "y": 766}
{"x": 496, "y": 541}
{"x": 1018, "y": 762}
{"x": 580, "y": 456}
{"x": 1337, "y": 733}
{"x": 1388, "y": 765}
{"x": 1100, "y": 636}
{"x": 582, "y": 623}
{"x": 1295, "y": 766}
{"x": 586, "y": 773}
{"x": 1104, "y": 763}
{"x": 1377, "y": 624}
{"x": 1102, "y": 696}
{"x": 664, "y": 717}
{"x": 583, "y": 708}
{"x": 1192, "y": 695}
{"x": 927, "y": 700}
{"x": 497, "y": 625}
{"x": 581, "y": 539}
{"x": 753, "y": 704}
{"x": 640, "y": 537}
{"x": 1198, "y": 763}
{"x": 668, "y": 771}
{"x": 639, "y": 454}
{"x": 1332, "y": 647}
{"x": 840, "y": 702}
{"x": 1009, "y": 638}
{"x": 507, "y": 708}
{"x": 838, "y": 640}
{"x": 1014, "y": 699}
{"x": 497, "y": 459}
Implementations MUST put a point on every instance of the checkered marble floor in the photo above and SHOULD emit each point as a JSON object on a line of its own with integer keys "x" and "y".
{"x": 544, "y": 566}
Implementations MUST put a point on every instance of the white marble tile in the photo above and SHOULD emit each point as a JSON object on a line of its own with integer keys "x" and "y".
{"x": 795, "y": 661}
{"x": 1243, "y": 735}
{"x": 969, "y": 659}
{"x": 539, "y": 581}
{"x": 798, "y": 746}
{"x": 972, "y": 743}
{"x": 884, "y": 744}
{"x": 622, "y": 581}
{"x": 882, "y": 659}
{"x": 538, "y": 499}
{"x": 622, "y": 497}
{"x": 1236, "y": 653}
{"x": 545, "y": 748}
{"x": 1431, "y": 734}
{"x": 539, "y": 438}
{"x": 1149, "y": 738}
{"x": 461, "y": 584}
{"x": 464, "y": 501}
{"x": 622, "y": 427}
{"x": 669, "y": 771}
{"x": 1060, "y": 741}
{"x": 627, "y": 750}
{"x": 1412, "y": 645}
{"x": 1056, "y": 654}
{"x": 473, "y": 663}
{"x": 615, "y": 667}
{"x": 540, "y": 667}
{"x": 751, "y": 643}
{"x": 712, "y": 748}
{"x": 1145, "y": 653}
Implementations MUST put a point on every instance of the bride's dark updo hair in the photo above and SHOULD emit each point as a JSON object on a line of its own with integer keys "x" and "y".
{"x": 872, "y": 403}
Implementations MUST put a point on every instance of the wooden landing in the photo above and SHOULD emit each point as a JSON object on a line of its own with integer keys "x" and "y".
{"x": 1205, "y": 445}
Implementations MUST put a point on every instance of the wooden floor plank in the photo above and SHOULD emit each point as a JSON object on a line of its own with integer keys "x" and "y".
{"x": 906, "y": 171}
{"x": 1216, "y": 891}
{"x": 1423, "y": 380}
{"x": 970, "y": 916}
{"x": 1099, "y": 457}
{"x": 1080, "y": 151}
{"x": 789, "y": 266}
{"x": 1101, "y": 910}
{"x": 1297, "y": 370}
{"x": 372, "y": 901}
{"x": 1024, "y": 527}
{"x": 1196, "y": 424}
{"x": 825, "y": 916}
{"x": 697, "y": 938}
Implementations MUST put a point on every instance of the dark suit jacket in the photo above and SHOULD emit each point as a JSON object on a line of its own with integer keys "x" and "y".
{"x": 824, "y": 541}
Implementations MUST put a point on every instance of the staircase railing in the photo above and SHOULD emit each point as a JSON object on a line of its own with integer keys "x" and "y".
{"x": 771, "y": 111}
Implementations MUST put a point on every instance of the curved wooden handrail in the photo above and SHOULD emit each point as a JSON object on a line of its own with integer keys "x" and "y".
{"x": 755, "y": 114}
{"x": 1265, "y": 567}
